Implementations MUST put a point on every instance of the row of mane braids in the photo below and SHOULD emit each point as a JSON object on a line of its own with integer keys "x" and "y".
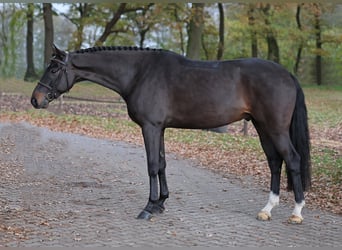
{"x": 115, "y": 48}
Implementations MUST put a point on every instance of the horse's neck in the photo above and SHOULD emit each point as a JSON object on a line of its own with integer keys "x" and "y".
{"x": 113, "y": 70}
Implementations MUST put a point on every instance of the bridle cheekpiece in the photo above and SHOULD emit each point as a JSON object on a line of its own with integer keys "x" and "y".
{"x": 53, "y": 92}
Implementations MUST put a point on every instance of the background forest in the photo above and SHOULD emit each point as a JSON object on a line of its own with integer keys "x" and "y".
{"x": 305, "y": 38}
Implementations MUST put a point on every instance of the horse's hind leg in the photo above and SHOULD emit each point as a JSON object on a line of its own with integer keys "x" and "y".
{"x": 285, "y": 148}
{"x": 274, "y": 162}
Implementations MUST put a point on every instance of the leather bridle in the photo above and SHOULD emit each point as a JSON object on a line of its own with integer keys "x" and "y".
{"x": 53, "y": 92}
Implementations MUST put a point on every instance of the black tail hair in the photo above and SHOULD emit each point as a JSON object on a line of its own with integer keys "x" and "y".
{"x": 300, "y": 137}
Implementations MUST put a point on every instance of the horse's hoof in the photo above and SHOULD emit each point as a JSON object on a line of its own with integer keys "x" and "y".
{"x": 264, "y": 216}
{"x": 145, "y": 215}
{"x": 294, "y": 219}
{"x": 158, "y": 209}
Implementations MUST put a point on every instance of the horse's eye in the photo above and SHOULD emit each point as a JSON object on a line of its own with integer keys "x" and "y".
{"x": 54, "y": 70}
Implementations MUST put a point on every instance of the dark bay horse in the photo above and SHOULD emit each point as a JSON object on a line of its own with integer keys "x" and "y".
{"x": 165, "y": 90}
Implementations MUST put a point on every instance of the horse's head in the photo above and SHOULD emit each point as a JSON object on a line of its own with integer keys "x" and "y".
{"x": 56, "y": 80}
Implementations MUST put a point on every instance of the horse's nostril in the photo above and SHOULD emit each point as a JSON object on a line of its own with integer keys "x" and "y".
{"x": 34, "y": 102}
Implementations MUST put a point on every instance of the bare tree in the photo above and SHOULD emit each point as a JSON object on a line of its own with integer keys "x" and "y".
{"x": 195, "y": 31}
{"x": 108, "y": 29}
{"x": 318, "y": 31}
{"x": 251, "y": 23}
{"x": 272, "y": 44}
{"x": 48, "y": 25}
{"x": 301, "y": 43}
{"x": 30, "y": 71}
{"x": 221, "y": 32}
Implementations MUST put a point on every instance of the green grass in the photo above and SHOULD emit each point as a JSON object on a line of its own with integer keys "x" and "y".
{"x": 83, "y": 89}
{"x": 204, "y": 138}
{"x": 324, "y": 105}
{"x": 16, "y": 86}
{"x": 327, "y": 162}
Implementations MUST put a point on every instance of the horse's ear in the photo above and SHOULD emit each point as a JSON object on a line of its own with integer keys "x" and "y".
{"x": 57, "y": 52}
{"x": 54, "y": 49}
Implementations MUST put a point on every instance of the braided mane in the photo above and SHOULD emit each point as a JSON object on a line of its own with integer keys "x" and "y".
{"x": 115, "y": 48}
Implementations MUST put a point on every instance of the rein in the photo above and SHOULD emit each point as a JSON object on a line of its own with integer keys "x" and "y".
{"x": 53, "y": 92}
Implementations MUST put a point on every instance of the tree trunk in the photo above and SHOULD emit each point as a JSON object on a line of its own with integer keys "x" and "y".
{"x": 273, "y": 48}
{"x": 318, "y": 45}
{"x": 110, "y": 24}
{"x": 300, "y": 47}
{"x": 180, "y": 29}
{"x": 30, "y": 71}
{"x": 142, "y": 34}
{"x": 83, "y": 10}
{"x": 48, "y": 24}
{"x": 221, "y": 32}
{"x": 143, "y": 24}
{"x": 251, "y": 23}
{"x": 195, "y": 31}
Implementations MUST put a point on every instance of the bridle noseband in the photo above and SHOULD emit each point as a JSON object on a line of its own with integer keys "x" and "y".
{"x": 53, "y": 92}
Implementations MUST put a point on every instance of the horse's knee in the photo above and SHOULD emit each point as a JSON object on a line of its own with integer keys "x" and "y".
{"x": 153, "y": 169}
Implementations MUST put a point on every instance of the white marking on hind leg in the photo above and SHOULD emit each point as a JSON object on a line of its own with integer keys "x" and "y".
{"x": 297, "y": 211}
{"x": 273, "y": 201}
{"x": 296, "y": 217}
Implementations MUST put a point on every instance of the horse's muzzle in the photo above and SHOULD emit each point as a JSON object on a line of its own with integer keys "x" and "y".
{"x": 40, "y": 103}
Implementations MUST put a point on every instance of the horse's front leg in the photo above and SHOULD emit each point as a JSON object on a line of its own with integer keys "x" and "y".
{"x": 164, "y": 191}
{"x": 152, "y": 138}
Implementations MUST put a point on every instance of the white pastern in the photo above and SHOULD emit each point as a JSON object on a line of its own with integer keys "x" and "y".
{"x": 297, "y": 211}
{"x": 273, "y": 201}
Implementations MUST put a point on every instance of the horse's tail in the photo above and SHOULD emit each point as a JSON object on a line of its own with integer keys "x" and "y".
{"x": 300, "y": 137}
